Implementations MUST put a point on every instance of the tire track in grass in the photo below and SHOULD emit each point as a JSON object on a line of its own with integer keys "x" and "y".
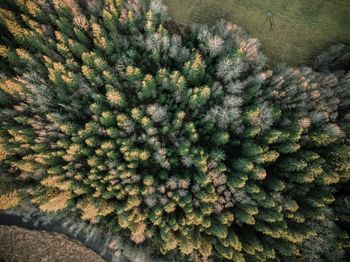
{"x": 279, "y": 12}
{"x": 302, "y": 29}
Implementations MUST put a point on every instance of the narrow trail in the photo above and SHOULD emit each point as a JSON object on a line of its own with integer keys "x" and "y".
{"x": 302, "y": 29}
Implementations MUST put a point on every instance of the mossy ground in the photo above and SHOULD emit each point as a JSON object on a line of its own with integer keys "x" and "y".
{"x": 302, "y": 29}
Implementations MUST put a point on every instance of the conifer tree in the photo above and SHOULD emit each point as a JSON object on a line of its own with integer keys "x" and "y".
{"x": 186, "y": 140}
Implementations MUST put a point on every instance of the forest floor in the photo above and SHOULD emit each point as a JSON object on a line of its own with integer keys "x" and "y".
{"x": 300, "y": 29}
{"x": 19, "y": 244}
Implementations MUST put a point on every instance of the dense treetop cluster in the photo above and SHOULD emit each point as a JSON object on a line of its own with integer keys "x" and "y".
{"x": 184, "y": 140}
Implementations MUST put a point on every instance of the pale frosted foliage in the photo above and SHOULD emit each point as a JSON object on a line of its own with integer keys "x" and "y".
{"x": 153, "y": 42}
{"x": 156, "y": 112}
{"x": 240, "y": 196}
{"x": 226, "y": 115}
{"x": 317, "y": 117}
{"x": 251, "y": 50}
{"x": 159, "y": 8}
{"x": 262, "y": 117}
{"x": 151, "y": 201}
{"x": 235, "y": 87}
{"x": 233, "y": 101}
{"x": 229, "y": 69}
{"x": 226, "y": 30}
{"x": 215, "y": 45}
{"x": 187, "y": 161}
{"x": 203, "y": 32}
{"x": 322, "y": 247}
{"x": 176, "y": 50}
{"x": 334, "y": 130}
{"x": 172, "y": 183}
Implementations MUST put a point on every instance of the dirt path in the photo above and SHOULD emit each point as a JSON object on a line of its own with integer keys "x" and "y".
{"x": 18, "y": 244}
{"x": 301, "y": 28}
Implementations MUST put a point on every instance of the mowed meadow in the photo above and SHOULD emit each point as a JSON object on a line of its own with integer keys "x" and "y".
{"x": 300, "y": 30}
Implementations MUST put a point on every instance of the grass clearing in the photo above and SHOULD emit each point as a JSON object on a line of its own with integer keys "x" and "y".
{"x": 301, "y": 30}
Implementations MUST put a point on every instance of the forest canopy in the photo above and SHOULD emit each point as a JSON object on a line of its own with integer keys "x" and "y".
{"x": 187, "y": 140}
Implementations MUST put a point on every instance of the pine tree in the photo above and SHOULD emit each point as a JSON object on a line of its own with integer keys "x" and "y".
{"x": 186, "y": 139}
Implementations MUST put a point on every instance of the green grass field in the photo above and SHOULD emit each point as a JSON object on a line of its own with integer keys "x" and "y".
{"x": 302, "y": 28}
